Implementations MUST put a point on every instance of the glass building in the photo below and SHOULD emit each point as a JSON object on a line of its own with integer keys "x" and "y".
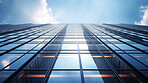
{"x": 74, "y": 53}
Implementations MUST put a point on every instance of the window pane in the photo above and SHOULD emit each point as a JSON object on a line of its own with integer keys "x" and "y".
{"x": 69, "y": 47}
{"x": 27, "y": 47}
{"x": 9, "y": 46}
{"x": 93, "y": 77}
{"x": 88, "y": 62}
{"x": 7, "y": 59}
{"x": 4, "y": 75}
{"x": 65, "y": 77}
{"x": 67, "y": 61}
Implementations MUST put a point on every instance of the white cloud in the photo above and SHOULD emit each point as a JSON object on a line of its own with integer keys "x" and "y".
{"x": 144, "y": 20}
{"x": 31, "y": 11}
{"x": 1, "y": 1}
{"x": 5, "y": 63}
{"x": 43, "y": 14}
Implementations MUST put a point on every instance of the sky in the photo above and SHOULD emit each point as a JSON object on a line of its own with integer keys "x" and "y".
{"x": 74, "y": 11}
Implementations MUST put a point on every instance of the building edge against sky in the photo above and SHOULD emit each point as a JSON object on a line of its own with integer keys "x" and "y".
{"x": 74, "y": 53}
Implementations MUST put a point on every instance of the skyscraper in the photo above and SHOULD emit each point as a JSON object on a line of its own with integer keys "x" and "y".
{"x": 75, "y": 53}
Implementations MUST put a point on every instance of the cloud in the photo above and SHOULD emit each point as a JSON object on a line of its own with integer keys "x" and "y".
{"x": 34, "y": 11}
{"x": 43, "y": 14}
{"x": 5, "y": 63}
{"x": 144, "y": 21}
{"x": 1, "y": 1}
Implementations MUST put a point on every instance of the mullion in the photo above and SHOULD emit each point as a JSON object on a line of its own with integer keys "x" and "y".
{"x": 80, "y": 63}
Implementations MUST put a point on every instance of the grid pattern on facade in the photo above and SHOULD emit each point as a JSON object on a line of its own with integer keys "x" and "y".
{"x": 74, "y": 53}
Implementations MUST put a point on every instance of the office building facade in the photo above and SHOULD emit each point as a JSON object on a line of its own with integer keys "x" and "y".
{"x": 75, "y": 53}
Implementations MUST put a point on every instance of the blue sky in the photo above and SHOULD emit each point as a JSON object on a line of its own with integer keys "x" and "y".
{"x": 74, "y": 11}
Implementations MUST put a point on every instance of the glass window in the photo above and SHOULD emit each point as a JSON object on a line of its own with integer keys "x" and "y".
{"x": 81, "y": 39}
{"x": 83, "y": 46}
{"x": 124, "y": 47}
{"x": 33, "y": 51}
{"x": 133, "y": 61}
{"x": 20, "y": 61}
{"x": 39, "y": 40}
{"x": 87, "y": 61}
{"x": 141, "y": 57}
{"x": 113, "y": 47}
{"x": 4, "y": 75}
{"x": 67, "y": 61}
{"x": 65, "y": 77}
{"x": 2, "y": 39}
{"x": 93, "y": 77}
{"x": 31, "y": 76}
{"x": 125, "y": 40}
{"x": 69, "y": 51}
{"x": 69, "y": 47}
{"x": 9, "y": 46}
{"x": 26, "y": 47}
{"x": 39, "y": 47}
{"x": 112, "y": 40}
{"x": 7, "y": 59}
{"x": 1, "y": 51}
{"x": 70, "y": 40}
{"x": 12, "y": 40}
{"x": 20, "y": 51}
{"x": 140, "y": 46}
{"x": 25, "y": 40}
{"x": 133, "y": 52}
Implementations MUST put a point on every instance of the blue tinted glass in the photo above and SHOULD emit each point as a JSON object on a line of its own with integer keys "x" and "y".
{"x": 93, "y": 77}
{"x": 87, "y": 61}
{"x": 141, "y": 57}
{"x": 7, "y": 59}
{"x": 12, "y": 40}
{"x": 4, "y": 75}
{"x": 33, "y": 52}
{"x": 39, "y": 47}
{"x": 26, "y": 47}
{"x": 9, "y": 46}
{"x": 83, "y": 46}
{"x": 112, "y": 40}
{"x": 21, "y": 61}
{"x": 2, "y": 51}
{"x": 25, "y": 40}
{"x": 70, "y": 40}
{"x": 69, "y": 47}
{"x": 140, "y": 46}
{"x": 18, "y": 51}
{"x": 39, "y": 40}
{"x": 65, "y": 77}
{"x": 67, "y": 61}
{"x": 124, "y": 47}
{"x": 125, "y": 40}
{"x": 2, "y": 39}
{"x": 133, "y": 61}
{"x": 113, "y": 47}
{"x": 69, "y": 51}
